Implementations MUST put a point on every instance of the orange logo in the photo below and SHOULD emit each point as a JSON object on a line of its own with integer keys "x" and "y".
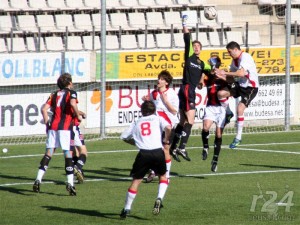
{"x": 96, "y": 98}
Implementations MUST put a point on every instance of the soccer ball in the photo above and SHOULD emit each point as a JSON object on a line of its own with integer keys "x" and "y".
{"x": 210, "y": 13}
{"x": 5, "y": 150}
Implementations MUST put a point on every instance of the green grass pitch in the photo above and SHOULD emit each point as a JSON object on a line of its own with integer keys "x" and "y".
{"x": 259, "y": 183}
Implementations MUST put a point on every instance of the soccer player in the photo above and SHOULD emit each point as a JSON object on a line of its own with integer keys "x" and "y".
{"x": 63, "y": 104}
{"x": 166, "y": 102}
{"x": 192, "y": 73}
{"x": 146, "y": 134}
{"x": 79, "y": 148}
{"x": 214, "y": 113}
{"x": 242, "y": 68}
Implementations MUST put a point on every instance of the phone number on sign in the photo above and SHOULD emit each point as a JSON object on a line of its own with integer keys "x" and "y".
{"x": 272, "y": 66}
{"x": 271, "y": 92}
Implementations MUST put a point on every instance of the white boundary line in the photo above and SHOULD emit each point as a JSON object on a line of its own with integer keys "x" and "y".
{"x": 188, "y": 175}
{"x": 240, "y": 148}
{"x": 262, "y": 150}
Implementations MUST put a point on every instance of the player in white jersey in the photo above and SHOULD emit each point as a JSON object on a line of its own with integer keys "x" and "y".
{"x": 167, "y": 103}
{"x": 146, "y": 133}
{"x": 244, "y": 69}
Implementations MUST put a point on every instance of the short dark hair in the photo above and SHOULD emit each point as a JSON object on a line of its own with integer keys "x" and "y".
{"x": 198, "y": 42}
{"x": 165, "y": 74}
{"x": 64, "y": 80}
{"x": 233, "y": 45}
{"x": 148, "y": 108}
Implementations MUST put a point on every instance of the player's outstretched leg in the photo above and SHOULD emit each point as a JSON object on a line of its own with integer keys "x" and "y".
{"x": 217, "y": 149}
{"x": 236, "y": 142}
{"x": 205, "y": 136}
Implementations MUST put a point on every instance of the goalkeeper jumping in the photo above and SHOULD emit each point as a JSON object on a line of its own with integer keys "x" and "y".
{"x": 193, "y": 69}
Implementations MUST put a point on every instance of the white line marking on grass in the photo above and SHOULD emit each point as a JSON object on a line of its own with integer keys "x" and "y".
{"x": 188, "y": 175}
{"x": 263, "y": 150}
{"x": 243, "y": 172}
{"x": 285, "y": 143}
{"x": 89, "y": 152}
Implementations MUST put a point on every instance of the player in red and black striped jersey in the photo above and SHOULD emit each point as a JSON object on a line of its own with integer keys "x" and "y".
{"x": 63, "y": 104}
{"x": 214, "y": 113}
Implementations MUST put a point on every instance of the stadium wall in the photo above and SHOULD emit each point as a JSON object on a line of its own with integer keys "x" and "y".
{"x": 27, "y": 79}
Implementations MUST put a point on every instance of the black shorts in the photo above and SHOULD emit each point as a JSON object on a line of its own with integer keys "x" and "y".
{"x": 146, "y": 160}
{"x": 187, "y": 97}
{"x": 247, "y": 94}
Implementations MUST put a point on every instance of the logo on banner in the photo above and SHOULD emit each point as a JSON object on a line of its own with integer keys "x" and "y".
{"x": 96, "y": 98}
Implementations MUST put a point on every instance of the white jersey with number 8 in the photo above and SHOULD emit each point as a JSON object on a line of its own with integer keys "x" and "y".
{"x": 146, "y": 132}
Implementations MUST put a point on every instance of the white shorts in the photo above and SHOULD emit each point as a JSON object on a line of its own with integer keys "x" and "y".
{"x": 78, "y": 137}
{"x": 216, "y": 114}
{"x": 59, "y": 138}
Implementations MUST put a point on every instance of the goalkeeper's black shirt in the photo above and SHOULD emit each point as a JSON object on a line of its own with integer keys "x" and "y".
{"x": 193, "y": 66}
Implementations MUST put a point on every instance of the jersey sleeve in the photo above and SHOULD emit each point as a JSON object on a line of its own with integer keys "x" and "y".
{"x": 73, "y": 95}
{"x": 49, "y": 100}
{"x": 246, "y": 62}
{"x": 174, "y": 100}
{"x": 206, "y": 68}
{"x": 163, "y": 123}
{"x": 128, "y": 133}
{"x": 188, "y": 49}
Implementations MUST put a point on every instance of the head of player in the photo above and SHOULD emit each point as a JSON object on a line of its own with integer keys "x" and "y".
{"x": 197, "y": 47}
{"x": 148, "y": 108}
{"x": 64, "y": 80}
{"x": 234, "y": 49}
{"x": 164, "y": 79}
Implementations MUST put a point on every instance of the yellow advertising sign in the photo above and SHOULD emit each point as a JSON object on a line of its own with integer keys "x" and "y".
{"x": 141, "y": 65}
{"x": 269, "y": 61}
{"x": 147, "y": 64}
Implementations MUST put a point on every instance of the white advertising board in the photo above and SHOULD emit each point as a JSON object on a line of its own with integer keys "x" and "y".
{"x": 41, "y": 68}
{"x": 123, "y": 104}
{"x": 20, "y": 114}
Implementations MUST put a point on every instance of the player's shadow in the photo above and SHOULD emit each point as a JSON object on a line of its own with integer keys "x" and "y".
{"x": 15, "y": 177}
{"x": 108, "y": 173}
{"x": 113, "y": 216}
{"x": 24, "y": 192}
{"x": 192, "y": 176}
{"x": 16, "y": 190}
{"x": 270, "y": 166}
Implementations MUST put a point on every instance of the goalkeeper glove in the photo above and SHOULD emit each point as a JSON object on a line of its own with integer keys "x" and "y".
{"x": 184, "y": 20}
{"x": 215, "y": 62}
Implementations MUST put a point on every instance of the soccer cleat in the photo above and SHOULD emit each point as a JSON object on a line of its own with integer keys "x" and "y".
{"x": 157, "y": 206}
{"x": 214, "y": 166}
{"x": 204, "y": 153}
{"x": 71, "y": 189}
{"x": 175, "y": 155}
{"x": 150, "y": 177}
{"x": 183, "y": 153}
{"x": 79, "y": 175}
{"x": 235, "y": 143}
{"x": 36, "y": 186}
{"x": 228, "y": 117}
{"x": 124, "y": 213}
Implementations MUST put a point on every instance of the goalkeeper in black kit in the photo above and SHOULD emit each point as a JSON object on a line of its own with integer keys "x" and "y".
{"x": 193, "y": 69}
